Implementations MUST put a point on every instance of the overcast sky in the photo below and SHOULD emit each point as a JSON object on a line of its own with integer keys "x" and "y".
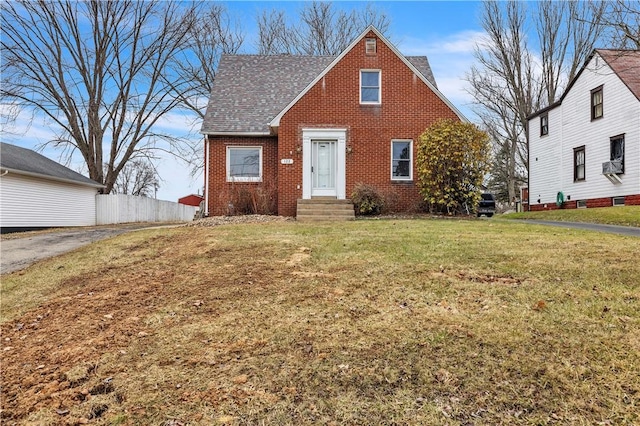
{"x": 445, "y": 32}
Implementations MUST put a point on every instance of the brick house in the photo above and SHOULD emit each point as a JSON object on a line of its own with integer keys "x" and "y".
{"x": 314, "y": 126}
{"x": 584, "y": 149}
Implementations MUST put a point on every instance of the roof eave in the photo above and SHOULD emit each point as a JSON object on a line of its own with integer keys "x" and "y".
{"x": 252, "y": 134}
{"x": 58, "y": 179}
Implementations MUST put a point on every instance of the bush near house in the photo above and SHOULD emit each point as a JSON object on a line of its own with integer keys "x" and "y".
{"x": 367, "y": 200}
{"x": 452, "y": 160}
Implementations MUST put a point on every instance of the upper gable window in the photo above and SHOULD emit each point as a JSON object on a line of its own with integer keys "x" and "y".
{"x": 544, "y": 124}
{"x": 596, "y": 103}
{"x": 370, "y": 46}
{"x": 370, "y": 92}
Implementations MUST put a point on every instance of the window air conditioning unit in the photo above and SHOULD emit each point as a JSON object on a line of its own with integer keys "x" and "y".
{"x": 611, "y": 167}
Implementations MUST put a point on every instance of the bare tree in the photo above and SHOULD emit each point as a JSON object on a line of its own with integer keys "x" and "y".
{"x": 323, "y": 29}
{"x": 100, "y": 71}
{"x": 214, "y": 35}
{"x": 138, "y": 177}
{"x": 622, "y": 19}
{"x": 512, "y": 81}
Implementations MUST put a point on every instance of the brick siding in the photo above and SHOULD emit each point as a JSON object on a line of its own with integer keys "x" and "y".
{"x": 629, "y": 200}
{"x": 219, "y": 188}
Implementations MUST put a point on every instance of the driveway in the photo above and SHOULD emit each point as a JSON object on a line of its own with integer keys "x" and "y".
{"x": 18, "y": 253}
{"x": 611, "y": 229}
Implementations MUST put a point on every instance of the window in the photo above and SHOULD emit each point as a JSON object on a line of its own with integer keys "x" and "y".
{"x": 617, "y": 201}
{"x": 370, "y": 46}
{"x": 370, "y": 87}
{"x": 617, "y": 151}
{"x": 578, "y": 164}
{"x": 596, "y": 103}
{"x": 581, "y": 204}
{"x": 401, "y": 160}
{"x": 544, "y": 124}
{"x": 244, "y": 164}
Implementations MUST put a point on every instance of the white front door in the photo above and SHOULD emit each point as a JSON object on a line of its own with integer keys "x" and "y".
{"x": 323, "y": 168}
{"x": 324, "y": 163}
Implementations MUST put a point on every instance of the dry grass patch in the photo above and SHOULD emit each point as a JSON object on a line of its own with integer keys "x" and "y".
{"x": 368, "y": 322}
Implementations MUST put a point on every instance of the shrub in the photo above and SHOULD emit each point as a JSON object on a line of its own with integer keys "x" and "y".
{"x": 249, "y": 198}
{"x": 451, "y": 162}
{"x": 367, "y": 200}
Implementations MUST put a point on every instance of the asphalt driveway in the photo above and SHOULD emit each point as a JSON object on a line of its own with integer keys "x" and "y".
{"x": 18, "y": 253}
{"x": 611, "y": 229}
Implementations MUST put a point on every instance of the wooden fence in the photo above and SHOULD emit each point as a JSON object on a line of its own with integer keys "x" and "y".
{"x": 120, "y": 208}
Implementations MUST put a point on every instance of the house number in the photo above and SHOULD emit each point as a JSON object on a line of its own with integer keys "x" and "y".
{"x": 287, "y": 161}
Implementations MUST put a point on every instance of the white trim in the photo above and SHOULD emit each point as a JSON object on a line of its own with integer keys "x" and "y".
{"x": 379, "y": 102}
{"x": 398, "y": 178}
{"x": 243, "y": 179}
{"x": 339, "y": 135}
{"x": 206, "y": 175}
{"x": 276, "y": 120}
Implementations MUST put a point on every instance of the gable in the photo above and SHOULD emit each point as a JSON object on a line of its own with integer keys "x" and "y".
{"x": 370, "y": 32}
{"x": 625, "y": 64}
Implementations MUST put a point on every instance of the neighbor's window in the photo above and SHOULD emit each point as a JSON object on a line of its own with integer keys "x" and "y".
{"x": 596, "y": 103}
{"x": 578, "y": 164}
{"x": 617, "y": 150}
{"x": 244, "y": 164}
{"x": 544, "y": 124}
{"x": 370, "y": 87}
{"x": 401, "y": 160}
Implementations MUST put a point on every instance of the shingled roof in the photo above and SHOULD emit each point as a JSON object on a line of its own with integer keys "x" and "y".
{"x": 626, "y": 64}
{"x": 250, "y": 90}
{"x": 15, "y": 159}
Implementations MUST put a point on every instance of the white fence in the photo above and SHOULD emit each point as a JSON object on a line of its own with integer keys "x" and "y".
{"x": 120, "y": 208}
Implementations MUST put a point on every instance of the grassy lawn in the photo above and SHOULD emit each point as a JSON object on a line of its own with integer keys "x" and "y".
{"x": 394, "y": 322}
{"x": 623, "y": 215}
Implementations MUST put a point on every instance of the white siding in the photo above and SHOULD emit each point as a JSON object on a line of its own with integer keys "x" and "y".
{"x": 570, "y": 126}
{"x": 34, "y": 202}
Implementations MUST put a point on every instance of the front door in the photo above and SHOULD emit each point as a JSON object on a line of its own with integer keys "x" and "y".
{"x": 323, "y": 168}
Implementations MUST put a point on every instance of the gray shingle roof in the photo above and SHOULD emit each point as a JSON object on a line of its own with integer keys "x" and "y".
{"x": 17, "y": 159}
{"x": 250, "y": 90}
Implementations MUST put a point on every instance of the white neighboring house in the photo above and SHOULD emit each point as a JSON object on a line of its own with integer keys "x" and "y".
{"x": 585, "y": 148}
{"x": 36, "y": 192}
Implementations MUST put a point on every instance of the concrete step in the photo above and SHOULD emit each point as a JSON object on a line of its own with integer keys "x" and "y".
{"x": 324, "y": 209}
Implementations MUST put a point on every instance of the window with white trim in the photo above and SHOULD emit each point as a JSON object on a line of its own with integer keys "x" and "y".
{"x": 579, "y": 164}
{"x": 402, "y": 159}
{"x": 244, "y": 164}
{"x": 370, "y": 83}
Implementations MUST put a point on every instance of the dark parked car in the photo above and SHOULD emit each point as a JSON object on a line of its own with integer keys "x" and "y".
{"x": 487, "y": 205}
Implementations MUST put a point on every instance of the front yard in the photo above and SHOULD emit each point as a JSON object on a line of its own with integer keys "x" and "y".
{"x": 437, "y": 322}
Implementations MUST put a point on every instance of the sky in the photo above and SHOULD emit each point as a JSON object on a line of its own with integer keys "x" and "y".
{"x": 445, "y": 31}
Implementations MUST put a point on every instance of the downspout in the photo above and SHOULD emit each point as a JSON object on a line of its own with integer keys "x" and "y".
{"x": 206, "y": 175}
{"x": 6, "y": 172}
